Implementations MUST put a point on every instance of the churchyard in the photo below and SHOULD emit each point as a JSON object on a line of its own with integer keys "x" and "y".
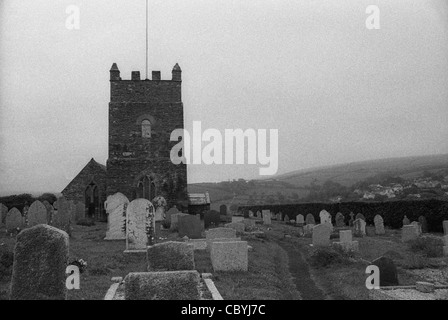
{"x": 267, "y": 255}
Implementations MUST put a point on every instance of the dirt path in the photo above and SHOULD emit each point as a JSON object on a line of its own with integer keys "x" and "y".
{"x": 300, "y": 271}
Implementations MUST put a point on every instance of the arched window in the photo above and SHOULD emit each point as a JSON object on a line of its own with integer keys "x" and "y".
{"x": 146, "y": 129}
{"x": 152, "y": 193}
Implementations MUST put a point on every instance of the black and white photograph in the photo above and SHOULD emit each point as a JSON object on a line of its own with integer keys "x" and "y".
{"x": 223, "y": 154}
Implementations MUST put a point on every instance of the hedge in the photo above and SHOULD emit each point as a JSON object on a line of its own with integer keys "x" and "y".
{"x": 393, "y": 212}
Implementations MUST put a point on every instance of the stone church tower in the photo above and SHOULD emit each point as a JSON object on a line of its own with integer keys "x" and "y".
{"x": 142, "y": 115}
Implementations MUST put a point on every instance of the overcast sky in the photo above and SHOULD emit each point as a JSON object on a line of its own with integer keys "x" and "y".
{"x": 336, "y": 91}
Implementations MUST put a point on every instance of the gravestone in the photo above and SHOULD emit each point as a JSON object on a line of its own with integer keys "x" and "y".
{"x": 139, "y": 225}
{"x": 423, "y": 223}
{"x": 175, "y": 220}
{"x": 259, "y": 215}
{"x": 220, "y": 233}
{"x": 406, "y": 221}
{"x": 167, "y": 285}
{"x": 37, "y": 214}
{"x": 352, "y": 219}
{"x": 61, "y": 218}
{"x": 170, "y": 212}
{"x": 300, "y": 219}
{"x": 388, "y": 271}
{"x": 190, "y": 226}
{"x": 417, "y": 226}
{"x": 359, "y": 226}
{"x": 223, "y": 210}
{"x": 160, "y": 205}
{"x": 379, "y": 225}
{"x": 345, "y": 236}
{"x": 236, "y": 219}
{"x": 321, "y": 235}
{"x": 116, "y": 206}
{"x": 238, "y": 226}
{"x": 445, "y": 227}
{"x": 266, "y": 217}
{"x": 346, "y": 242}
{"x": 25, "y": 214}
{"x": 229, "y": 256}
{"x": 50, "y": 211}
{"x": 14, "y": 221}
{"x": 212, "y": 219}
{"x": 81, "y": 211}
{"x": 325, "y": 217}
{"x": 40, "y": 261}
{"x": 251, "y": 214}
{"x": 286, "y": 218}
{"x": 360, "y": 216}
{"x": 310, "y": 219}
{"x": 340, "y": 223}
{"x": 170, "y": 256}
{"x": 279, "y": 217}
{"x": 3, "y": 213}
{"x": 409, "y": 232}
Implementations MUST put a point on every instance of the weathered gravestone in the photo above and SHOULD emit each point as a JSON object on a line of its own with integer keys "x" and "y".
{"x": 388, "y": 271}
{"x": 325, "y": 217}
{"x": 409, "y": 232}
{"x": 236, "y": 219}
{"x": 359, "y": 226}
{"x": 14, "y": 221}
{"x": 417, "y": 226}
{"x": 139, "y": 225}
{"x": 50, "y": 211}
{"x": 175, "y": 220}
{"x": 40, "y": 261}
{"x": 238, "y": 226}
{"x": 37, "y": 214}
{"x": 286, "y": 219}
{"x": 259, "y": 215}
{"x": 445, "y": 227}
{"x": 170, "y": 256}
{"x": 160, "y": 205}
{"x": 423, "y": 223}
{"x": 266, "y": 217}
{"x": 212, "y": 219}
{"x": 3, "y": 213}
{"x": 220, "y": 233}
{"x": 61, "y": 218}
{"x": 379, "y": 225}
{"x": 190, "y": 226}
{"x": 310, "y": 219}
{"x": 170, "y": 212}
{"x": 346, "y": 242}
{"x": 321, "y": 235}
{"x": 116, "y": 206}
{"x": 278, "y": 216}
{"x": 406, "y": 221}
{"x": 229, "y": 256}
{"x": 300, "y": 219}
{"x": 360, "y": 216}
{"x": 340, "y": 223}
{"x": 168, "y": 285}
{"x": 223, "y": 210}
{"x": 251, "y": 214}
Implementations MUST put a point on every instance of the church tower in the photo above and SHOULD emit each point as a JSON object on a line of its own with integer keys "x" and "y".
{"x": 142, "y": 115}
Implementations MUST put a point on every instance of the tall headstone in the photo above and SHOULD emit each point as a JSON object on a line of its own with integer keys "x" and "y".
{"x": 310, "y": 219}
{"x": 388, "y": 271}
{"x": 139, "y": 225}
{"x": 14, "y": 221}
{"x": 423, "y": 223}
{"x": 37, "y": 214}
{"x": 360, "y": 216}
{"x": 266, "y": 217}
{"x": 50, "y": 211}
{"x": 116, "y": 207}
{"x": 352, "y": 219}
{"x": 40, "y": 261}
{"x": 359, "y": 226}
{"x": 321, "y": 235}
{"x": 300, "y": 219}
{"x": 406, "y": 221}
{"x": 160, "y": 205}
{"x": 286, "y": 219}
{"x": 212, "y": 219}
{"x": 379, "y": 225}
{"x": 259, "y": 214}
{"x": 340, "y": 223}
{"x": 325, "y": 217}
{"x": 190, "y": 226}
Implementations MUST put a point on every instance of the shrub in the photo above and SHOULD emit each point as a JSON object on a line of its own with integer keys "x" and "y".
{"x": 428, "y": 246}
{"x": 86, "y": 222}
{"x": 324, "y": 257}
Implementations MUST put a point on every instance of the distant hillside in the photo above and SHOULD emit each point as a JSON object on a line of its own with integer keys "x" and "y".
{"x": 296, "y": 186}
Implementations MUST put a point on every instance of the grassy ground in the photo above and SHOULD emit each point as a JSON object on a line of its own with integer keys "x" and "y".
{"x": 280, "y": 265}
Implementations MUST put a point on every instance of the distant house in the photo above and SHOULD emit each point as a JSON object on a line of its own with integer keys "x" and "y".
{"x": 198, "y": 203}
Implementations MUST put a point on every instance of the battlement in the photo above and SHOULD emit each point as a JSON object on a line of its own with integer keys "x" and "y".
{"x": 176, "y": 74}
